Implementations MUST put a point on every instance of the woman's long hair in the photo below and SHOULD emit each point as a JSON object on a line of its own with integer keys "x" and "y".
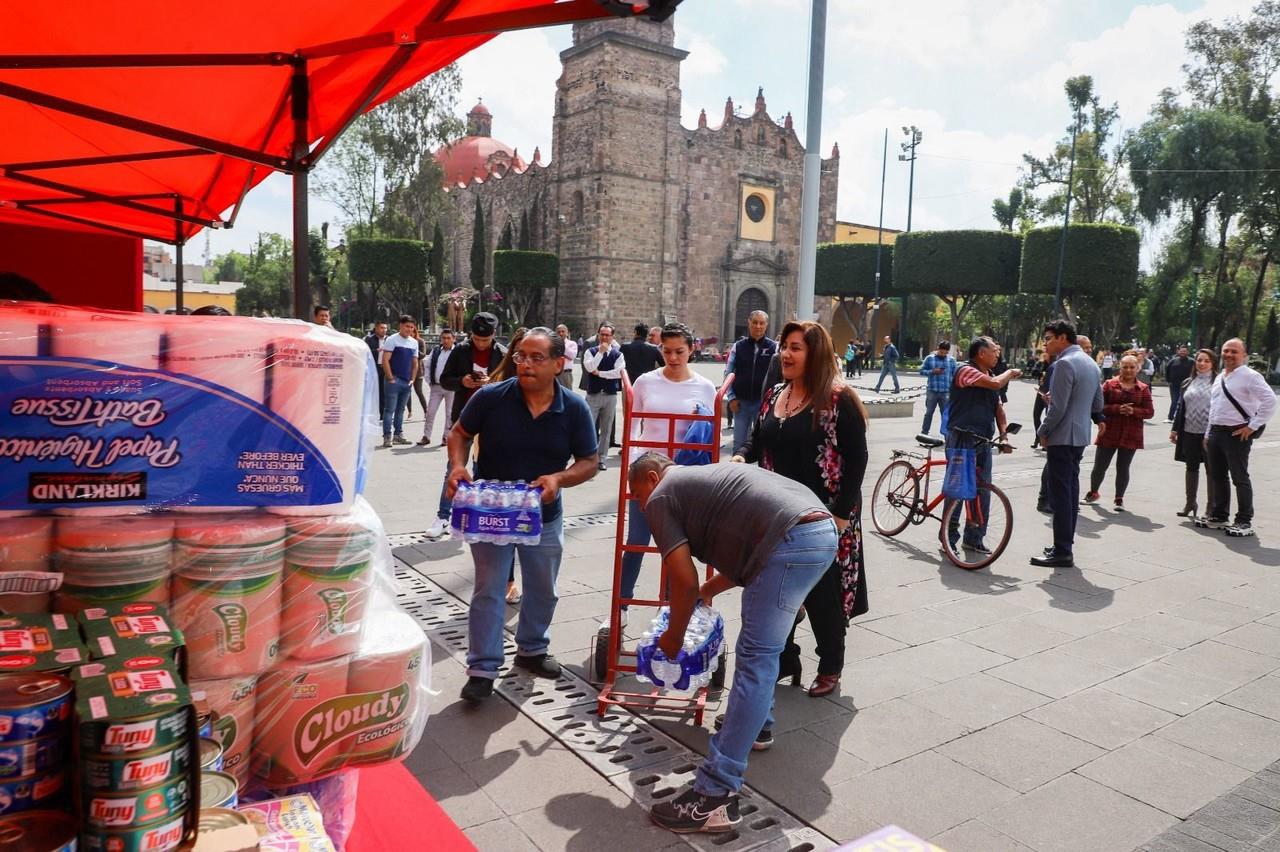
{"x": 507, "y": 367}
{"x": 820, "y": 368}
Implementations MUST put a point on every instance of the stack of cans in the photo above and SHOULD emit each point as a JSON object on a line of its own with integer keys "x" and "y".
{"x": 139, "y": 750}
{"x": 35, "y": 745}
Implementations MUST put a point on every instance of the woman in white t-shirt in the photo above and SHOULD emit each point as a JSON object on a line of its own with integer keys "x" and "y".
{"x": 672, "y": 390}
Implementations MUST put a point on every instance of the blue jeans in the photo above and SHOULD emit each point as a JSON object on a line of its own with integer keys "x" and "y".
{"x": 395, "y": 398}
{"x": 637, "y": 533}
{"x": 743, "y": 421}
{"x": 932, "y": 400}
{"x": 891, "y": 370}
{"x": 973, "y": 533}
{"x": 769, "y": 606}
{"x": 539, "y": 565}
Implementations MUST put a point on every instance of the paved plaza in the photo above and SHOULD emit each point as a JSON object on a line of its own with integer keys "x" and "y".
{"x": 1130, "y": 703}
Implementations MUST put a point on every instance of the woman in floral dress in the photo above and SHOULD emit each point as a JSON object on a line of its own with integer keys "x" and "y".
{"x": 813, "y": 429}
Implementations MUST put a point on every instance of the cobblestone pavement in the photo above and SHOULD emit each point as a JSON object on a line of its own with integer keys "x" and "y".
{"x": 1132, "y": 702}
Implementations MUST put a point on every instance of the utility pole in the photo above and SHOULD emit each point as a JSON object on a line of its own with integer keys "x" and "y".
{"x": 908, "y": 155}
{"x": 812, "y": 161}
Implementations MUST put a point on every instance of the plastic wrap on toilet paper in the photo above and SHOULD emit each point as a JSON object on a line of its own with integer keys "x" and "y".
{"x": 112, "y": 413}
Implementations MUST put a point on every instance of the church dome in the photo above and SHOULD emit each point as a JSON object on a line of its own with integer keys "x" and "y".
{"x": 478, "y": 154}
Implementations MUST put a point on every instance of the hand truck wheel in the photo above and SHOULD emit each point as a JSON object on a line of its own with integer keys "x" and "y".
{"x": 600, "y": 657}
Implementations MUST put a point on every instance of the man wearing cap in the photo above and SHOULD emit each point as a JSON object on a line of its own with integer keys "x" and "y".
{"x": 466, "y": 372}
{"x": 530, "y": 428}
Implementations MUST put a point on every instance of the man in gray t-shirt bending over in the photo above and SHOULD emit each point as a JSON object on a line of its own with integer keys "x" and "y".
{"x": 760, "y": 531}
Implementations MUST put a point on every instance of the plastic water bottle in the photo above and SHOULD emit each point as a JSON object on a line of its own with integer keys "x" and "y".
{"x": 697, "y": 659}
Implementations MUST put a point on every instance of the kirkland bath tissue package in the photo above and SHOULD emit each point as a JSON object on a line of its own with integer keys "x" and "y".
{"x": 110, "y": 413}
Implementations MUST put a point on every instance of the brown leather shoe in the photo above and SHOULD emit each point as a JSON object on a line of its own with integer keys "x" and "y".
{"x": 824, "y": 685}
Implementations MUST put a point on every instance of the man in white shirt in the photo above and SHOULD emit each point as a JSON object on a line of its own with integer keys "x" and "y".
{"x": 570, "y": 355}
{"x": 433, "y": 367}
{"x": 399, "y": 360}
{"x": 1240, "y": 405}
{"x": 604, "y": 364}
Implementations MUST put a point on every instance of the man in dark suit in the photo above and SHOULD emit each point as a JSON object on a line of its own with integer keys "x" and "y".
{"x": 640, "y": 355}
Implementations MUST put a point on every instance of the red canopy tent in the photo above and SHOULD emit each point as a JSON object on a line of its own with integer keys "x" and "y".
{"x": 154, "y": 120}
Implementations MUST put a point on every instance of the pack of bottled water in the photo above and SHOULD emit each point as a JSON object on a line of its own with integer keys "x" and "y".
{"x": 698, "y": 658}
{"x": 495, "y": 512}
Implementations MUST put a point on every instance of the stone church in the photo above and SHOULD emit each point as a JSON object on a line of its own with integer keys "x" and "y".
{"x": 652, "y": 221}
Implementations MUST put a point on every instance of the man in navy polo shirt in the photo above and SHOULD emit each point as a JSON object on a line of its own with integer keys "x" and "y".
{"x": 530, "y": 427}
{"x": 399, "y": 368}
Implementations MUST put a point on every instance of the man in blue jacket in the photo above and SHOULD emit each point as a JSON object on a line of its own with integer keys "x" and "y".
{"x": 889, "y": 356}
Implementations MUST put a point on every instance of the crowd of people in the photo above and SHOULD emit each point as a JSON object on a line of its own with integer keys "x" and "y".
{"x": 794, "y": 487}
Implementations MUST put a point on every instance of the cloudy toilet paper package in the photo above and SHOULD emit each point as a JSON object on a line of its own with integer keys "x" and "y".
{"x": 114, "y": 413}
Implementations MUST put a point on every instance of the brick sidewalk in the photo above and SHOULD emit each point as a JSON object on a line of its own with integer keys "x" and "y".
{"x": 1011, "y": 708}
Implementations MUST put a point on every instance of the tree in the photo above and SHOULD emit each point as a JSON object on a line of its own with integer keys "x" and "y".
{"x": 230, "y": 266}
{"x": 398, "y": 268}
{"x": 1271, "y": 338}
{"x": 960, "y": 267}
{"x": 522, "y": 276}
{"x": 506, "y": 241}
{"x": 1008, "y": 212}
{"x": 381, "y": 173}
{"x": 479, "y": 248}
{"x": 435, "y": 264}
{"x": 268, "y": 279}
{"x": 1186, "y": 160}
{"x": 1099, "y": 189}
{"x": 525, "y": 243}
{"x": 1101, "y": 263}
{"x": 847, "y": 271}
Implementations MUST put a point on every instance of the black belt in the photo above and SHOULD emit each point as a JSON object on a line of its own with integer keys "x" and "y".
{"x": 1220, "y": 428}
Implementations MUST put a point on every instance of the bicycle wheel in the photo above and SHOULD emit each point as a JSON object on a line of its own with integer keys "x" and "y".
{"x": 894, "y": 498}
{"x": 999, "y": 527}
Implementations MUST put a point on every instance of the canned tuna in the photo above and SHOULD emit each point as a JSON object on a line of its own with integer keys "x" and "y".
{"x": 21, "y": 758}
{"x": 21, "y": 794}
{"x": 161, "y": 837}
{"x": 131, "y": 773}
{"x": 219, "y": 790}
{"x": 140, "y": 807}
{"x": 33, "y": 705}
{"x": 210, "y": 755}
{"x": 132, "y": 705}
{"x": 38, "y": 831}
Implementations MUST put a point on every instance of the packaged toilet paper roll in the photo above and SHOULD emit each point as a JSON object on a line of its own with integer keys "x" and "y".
{"x": 298, "y": 732}
{"x": 316, "y": 380}
{"x": 27, "y": 578}
{"x": 25, "y": 331}
{"x": 219, "y": 350}
{"x": 232, "y": 702}
{"x": 394, "y": 655}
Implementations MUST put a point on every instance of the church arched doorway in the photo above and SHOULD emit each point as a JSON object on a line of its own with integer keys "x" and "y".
{"x": 751, "y": 300}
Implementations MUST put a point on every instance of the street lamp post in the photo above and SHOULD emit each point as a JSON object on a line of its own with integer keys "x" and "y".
{"x": 908, "y": 155}
{"x": 1066, "y": 218}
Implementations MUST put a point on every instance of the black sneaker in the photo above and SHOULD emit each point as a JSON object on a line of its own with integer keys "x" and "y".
{"x": 1212, "y": 523}
{"x": 1043, "y": 508}
{"x": 692, "y": 812}
{"x": 477, "y": 689}
{"x": 977, "y": 548}
{"x": 540, "y": 665}
{"x": 764, "y": 739}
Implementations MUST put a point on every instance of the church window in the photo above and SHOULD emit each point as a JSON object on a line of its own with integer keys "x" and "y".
{"x": 760, "y": 136}
{"x": 577, "y": 207}
{"x": 737, "y": 138}
{"x": 782, "y": 149}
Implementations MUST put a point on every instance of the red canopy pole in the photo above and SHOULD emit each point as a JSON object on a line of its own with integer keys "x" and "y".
{"x": 300, "y": 98}
{"x": 177, "y": 244}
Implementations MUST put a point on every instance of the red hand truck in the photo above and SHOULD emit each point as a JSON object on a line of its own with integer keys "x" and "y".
{"x": 610, "y": 659}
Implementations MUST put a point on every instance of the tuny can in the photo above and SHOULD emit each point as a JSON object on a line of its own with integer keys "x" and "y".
{"x": 122, "y": 774}
{"x": 219, "y": 790}
{"x": 38, "y": 831}
{"x": 140, "y": 807}
{"x": 32, "y": 705}
{"x": 210, "y": 755}
{"x": 204, "y": 723}
{"x": 21, "y": 794}
{"x": 214, "y": 819}
{"x": 21, "y": 758}
{"x": 125, "y": 706}
{"x": 160, "y": 837}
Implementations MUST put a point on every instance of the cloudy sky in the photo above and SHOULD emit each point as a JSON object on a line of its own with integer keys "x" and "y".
{"x": 982, "y": 80}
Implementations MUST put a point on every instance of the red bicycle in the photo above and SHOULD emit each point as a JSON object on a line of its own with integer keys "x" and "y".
{"x": 902, "y": 497}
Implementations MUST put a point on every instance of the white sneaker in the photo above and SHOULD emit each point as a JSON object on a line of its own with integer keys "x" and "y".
{"x": 438, "y": 529}
{"x": 1239, "y": 530}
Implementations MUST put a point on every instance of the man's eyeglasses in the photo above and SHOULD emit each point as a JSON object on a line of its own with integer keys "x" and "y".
{"x": 535, "y": 358}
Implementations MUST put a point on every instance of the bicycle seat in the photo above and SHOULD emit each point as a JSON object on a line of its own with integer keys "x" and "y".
{"x": 930, "y": 443}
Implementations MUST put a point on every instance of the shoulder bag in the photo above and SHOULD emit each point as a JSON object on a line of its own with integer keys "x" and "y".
{"x": 1258, "y": 432}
